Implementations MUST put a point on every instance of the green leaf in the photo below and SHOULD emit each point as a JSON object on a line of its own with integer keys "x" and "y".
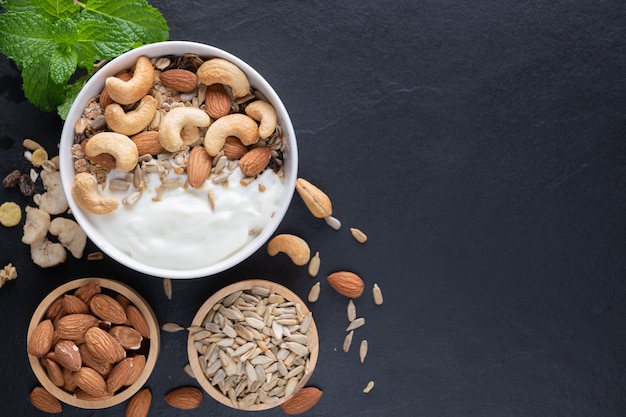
{"x": 95, "y": 41}
{"x": 51, "y": 9}
{"x": 25, "y": 36}
{"x": 71, "y": 93}
{"x": 63, "y": 61}
{"x": 136, "y": 18}
{"x": 39, "y": 88}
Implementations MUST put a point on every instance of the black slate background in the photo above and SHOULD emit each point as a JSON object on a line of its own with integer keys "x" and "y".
{"x": 481, "y": 146}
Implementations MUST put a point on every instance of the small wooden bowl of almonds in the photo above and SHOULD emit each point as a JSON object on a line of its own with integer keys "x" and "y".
{"x": 92, "y": 343}
{"x": 253, "y": 345}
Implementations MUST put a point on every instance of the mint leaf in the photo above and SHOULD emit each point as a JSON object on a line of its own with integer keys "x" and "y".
{"x": 70, "y": 95}
{"x": 51, "y": 9}
{"x": 38, "y": 86}
{"x": 25, "y": 36}
{"x": 63, "y": 61}
{"x": 137, "y": 18}
{"x": 96, "y": 42}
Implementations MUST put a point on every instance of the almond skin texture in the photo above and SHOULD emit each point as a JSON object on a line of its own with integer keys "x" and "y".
{"x": 255, "y": 161}
{"x": 90, "y": 381}
{"x": 74, "y": 326}
{"x": 54, "y": 371}
{"x": 74, "y": 305}
{"x": 138, "y": 321}
{"x": 346, "y": 283}
{"x": 233, "y": 148}
{"x": 198, "y": 166}
{"x": 107, "y": 309}
{"x": 128, "y": 337}
{"x": 67, "y": 355}
{"x": 217, "y": 101}
{"x": 139, "y": 364}
{"x": 148, "y": 143}
{"x": 99, "y": 365}
{"x": 118, "y": 376}
{"x": 184, "y": 398}
{"x": 41, "y": 339}
{"x": 88, "y": 290}
{"x": 179, "y": 80}
{"x": 139, "y": 404}
{"x": 302, "y": 401}
{"x": 103, "y": 346}
{"x": 44, "y": 401}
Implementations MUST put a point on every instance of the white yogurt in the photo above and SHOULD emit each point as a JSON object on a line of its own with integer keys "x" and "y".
{"x": 182, "y": 231}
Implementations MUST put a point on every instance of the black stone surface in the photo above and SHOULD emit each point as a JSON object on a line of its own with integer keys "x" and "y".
{"x": 480, "y": 145}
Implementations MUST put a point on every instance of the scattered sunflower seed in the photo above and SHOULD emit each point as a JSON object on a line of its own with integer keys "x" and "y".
{"x": 333, "y": 222}
{"x": 378, "y": 295}
{"x": 351, "y": 311}
{"x": 314, "y": 293}
{"x": 355, "y": 324}
{"x": 348, "y": 341}
{"x": 368, "y": 387}
{"x": 314, "y": 265}
{"x": 189, "y": 371}
{"x": 172, "y": 327}
{"x": 167, "y": 288}
{"x": 95, "y": 256}
{"x": 363, "y": 350}
{"x": 358, "y": 235}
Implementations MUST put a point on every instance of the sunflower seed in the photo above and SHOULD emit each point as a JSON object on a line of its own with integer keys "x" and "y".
{"x": 368, "y": 387}
{"x": 363, "y": 350}
{"x": 348, "y": 341}
{"x": 351, "y": 311}
{"x": 314, "y": 293}
{"x": 95, "y": 256}
{"x": 355, "y": 324}
{"x": 314, "y": 265}
{"x": 377, "y": 294}
{"x": 167, "y": 288}
{"x": 189, "y": 371}
{"x": 172, "y": 327}
{"x": 358, "y": 235}
{"x": 333, "y": 222}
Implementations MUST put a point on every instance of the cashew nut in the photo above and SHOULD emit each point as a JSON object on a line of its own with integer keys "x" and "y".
{"x": 293, "y": 246}
{"x": 222, "y": 71}
{"x": 135, "y": 120}
{"x": 127, "y": 92}
{"x": 239, "y": 125}
{"x": 263, "y": 112}
{"x": 120, "y": 146}
{"x": 70, "y": 235}
{"x": 86, "y": 195}
{"x": 174, "y": 122}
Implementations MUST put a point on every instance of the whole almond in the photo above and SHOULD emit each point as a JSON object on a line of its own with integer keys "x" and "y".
{"x": 217, "y": 101}
{"x": 41, "y": 339}
{"x": 315, "y": 199}
{"x": 148, "y": 143}
{"x": 137, "y": 320}
{"x": 184, "y": 398}
{"x": 233, "y": 148}
{"x": 69, "y": 384}
{"x": 138, "y": 365}
{"x": 128, "y": 337}
{"x": 41, "y": 399}
{"x": 107, "y": 309}
{"x": 74, "y": 326}
{"x": 74, "y": 305}
{"x": 179, "y": 80}
{"x": 88, "y": 290}
{"x": 302, "y": 401}
{"x": 85, "y": 396}
{"x": 55, "y": 309}
{"x": 54, "y": 371}
{"x": 118, "y": 376}
{"x": 255, "y": 161}
{"x": 67, "y": 355}
{"x": 90, "y": 381}
{"x": 198, "y": 166}
{"x": 101, "y": 366}
{"x": 139, "y": 404}
{"x": 103, "y": 346}
{"x": 346, "y": 283}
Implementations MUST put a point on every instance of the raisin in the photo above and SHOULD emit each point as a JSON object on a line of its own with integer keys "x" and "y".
{"x": 26, "y": 185}
{"x": 12, "y": 179}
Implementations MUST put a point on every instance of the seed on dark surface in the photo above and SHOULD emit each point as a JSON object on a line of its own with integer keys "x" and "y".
{"x": 12, "y": 179}
{"x": 27, "y": 187}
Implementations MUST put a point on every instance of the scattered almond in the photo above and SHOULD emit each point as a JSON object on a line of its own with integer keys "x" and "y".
{"x": 139, "y": 404}
{"x": 44, "y": 401}
{"x": 184, "y": 398}
{"x": 346, "y": 283}
{"x": 255, "y": 161}
{"x": 41, "y": 339}
{"x": 302, "y": 401}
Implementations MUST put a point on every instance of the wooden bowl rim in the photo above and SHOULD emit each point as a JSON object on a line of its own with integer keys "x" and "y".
{"x": 151, "y": 358}
{"x": 218, "y": 296}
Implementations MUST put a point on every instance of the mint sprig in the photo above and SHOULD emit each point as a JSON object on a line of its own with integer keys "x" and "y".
{"x": 53, "y": 42}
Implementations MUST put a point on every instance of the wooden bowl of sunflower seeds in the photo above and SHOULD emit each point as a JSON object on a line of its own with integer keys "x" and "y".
{"x": 253, "y": 344}
{"x": 92, "y": 343}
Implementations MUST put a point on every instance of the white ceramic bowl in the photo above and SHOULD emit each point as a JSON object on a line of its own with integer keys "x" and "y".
{"x": 127, "y": 60}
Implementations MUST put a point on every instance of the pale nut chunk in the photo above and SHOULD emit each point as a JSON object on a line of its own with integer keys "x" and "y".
{"x": 134, "y": 121}
{"x": 222, "y": 71}
{"x": 53, "y": 200}
{"x": 127, "y": 92}
{"x": 70, "y": 235}
{"x": 315, "y": 199}
{"x": 174, "y": 122}
{"x": 36, "y": 225}
{"x": 120, "y": 146}
{"x": 238, "y": 125}
{"x": 86, "y": 195}
{"x": 264, "y": 113}
{"x": 293, "y": 246}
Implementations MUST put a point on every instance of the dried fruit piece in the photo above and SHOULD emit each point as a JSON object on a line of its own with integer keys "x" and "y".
{"x": 8, "y": 273}
{"x": 70, "y": 235}
{"x": 315, "y": 199}
{"x": 39, "y": 156}
{"x": 41, "y": 339}
{"x": 184, "y": 398}
{"x": 346, "y": 283}
{"x": 302, "y": 401}
{"x": 12, "y": 179}
{"x": 41, "y": 399}
{"x": 139, "y": 404}
{"x": 27, "y": 188}
{"x": 10, "y": 214}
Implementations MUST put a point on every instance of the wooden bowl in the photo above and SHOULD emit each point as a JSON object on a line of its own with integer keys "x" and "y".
{"x": 109, "y": 286}
{"x": 199, "y": 319}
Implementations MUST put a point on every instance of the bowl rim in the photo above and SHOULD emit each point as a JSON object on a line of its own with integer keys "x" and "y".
{"x": 151, "y": 357}
{"x": 177, "y": 48}
{"x": 192, "y": 353}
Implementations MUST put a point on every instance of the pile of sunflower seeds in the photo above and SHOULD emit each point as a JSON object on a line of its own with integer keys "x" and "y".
{"x": 254, "y": 346}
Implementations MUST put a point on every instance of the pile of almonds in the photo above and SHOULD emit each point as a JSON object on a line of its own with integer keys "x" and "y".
{"x": 92, "y": 343}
